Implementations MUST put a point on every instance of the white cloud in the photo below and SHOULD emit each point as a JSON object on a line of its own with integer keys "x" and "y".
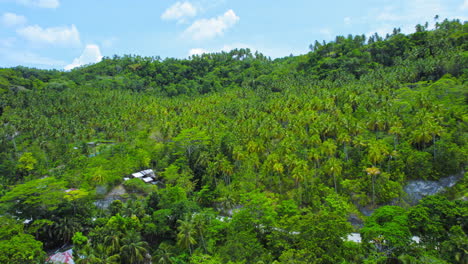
{"x": 91, "y": 54}
{"x": 210, "y": 28}
{"x": 197, "y": 51}
{"x": 179, "y": 11}
{"x": 53, "y": 35}
{"x": 12, "y": 19}
{"x": 464, "y": 6}
{"x": 40, "y": 3}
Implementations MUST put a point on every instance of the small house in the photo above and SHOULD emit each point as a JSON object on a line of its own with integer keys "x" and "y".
{"x": 148, "y": 176}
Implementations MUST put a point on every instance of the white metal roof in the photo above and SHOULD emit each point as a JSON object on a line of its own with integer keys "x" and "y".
{"x": 138, "y": 175}
{"x": 147, "y": 179}
{"x": 146, "y": 172}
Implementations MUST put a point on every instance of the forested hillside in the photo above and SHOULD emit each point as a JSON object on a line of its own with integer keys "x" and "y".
{"x": 260, "y": 160}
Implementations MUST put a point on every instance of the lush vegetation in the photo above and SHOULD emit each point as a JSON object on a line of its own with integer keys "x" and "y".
{"x": 262, "y": 160}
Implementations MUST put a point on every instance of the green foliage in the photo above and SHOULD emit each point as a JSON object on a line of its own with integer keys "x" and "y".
{"x": 387, "y": 231}
{"x": 284, "y": 150}
{"x": 435, "y": 216}
{"x": 27, "y": 162}
{"x": 116, "y": 207}
{"x": 35, "y": 198}
{"x": 137, "y": 186}
{"x": 79, "y": 239}
{"x": 21, "y": 248}
{"x": 171, "y": 195}
{"x": 17, "y": 247}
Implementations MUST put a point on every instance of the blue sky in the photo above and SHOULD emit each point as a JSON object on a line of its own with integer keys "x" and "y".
{"x": 63, "y": 34}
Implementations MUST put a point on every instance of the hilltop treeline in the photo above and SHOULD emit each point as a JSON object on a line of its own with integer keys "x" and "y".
{"x": 296, "y": 144}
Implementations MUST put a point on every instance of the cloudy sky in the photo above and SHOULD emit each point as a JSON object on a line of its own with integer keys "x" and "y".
{"x": 63, "y": 34}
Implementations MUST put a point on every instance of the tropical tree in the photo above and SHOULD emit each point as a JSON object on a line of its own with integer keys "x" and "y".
{"x": 134, "y": 250}
{"x": 113, "y": 242}
{"x": 34, "y": 199}
{"x": 373, "y": 172}
{"x": 64, "y": 229}
{"x": 300, "y": 171}
{"x": 377, "y": 151}
{"x": 163, "y": 254}
{"x": 16, "y": 246}
{"x": 187, "y": 233}
{"x": 387, "y": 231}
{"x": 333, "y": 167}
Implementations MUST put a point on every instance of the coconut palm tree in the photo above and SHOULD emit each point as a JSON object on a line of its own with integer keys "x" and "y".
{"x": 201, "y": 221}
{"x": 396, "y": 130}
{"x": 328, "y": 148}
{"x": 343, "y": 137}
{"x": 377, "y": 151}
{"x": 186, "y": 235}
{"x": 333, "y": 167}
{"x": 163, "y": 254}
{"x": 64, "y": 229}
{"x": 113, "y": 243}
{"x": 300, "y": 171}
{"x": 134, "y": 250}
{"x": 373, "y": 171}
{"x": 95, "y": 255}
{"x": 87, "y": 256}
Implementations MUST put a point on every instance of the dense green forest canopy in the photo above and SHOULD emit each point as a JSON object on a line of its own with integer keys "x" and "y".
{"x": 261, "y": 160}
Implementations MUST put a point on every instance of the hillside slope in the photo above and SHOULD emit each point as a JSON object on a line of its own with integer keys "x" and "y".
{"x": 295, "y": 144}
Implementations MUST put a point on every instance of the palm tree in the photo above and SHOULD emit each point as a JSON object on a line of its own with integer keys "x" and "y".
{"x": 300, "y": 171}
{"x": 134, "y": 250}
{"x": 343, "y": 137}
{"x": 113, "y": 243}
{"x": 333, "y": 167}
{"x": 221, "y": 166}
{"x": 134, "y": 208}
{"x": 377, "y": 150}
{"x": 96, "y": 255}
{"x": 163, "y": 254}
{"x": 436, "y": 130}
{"x": 226, "y": 199}
{"x": 421, "y": 135}
{"x": 105, "y": 257}
{"x": 185, "y": 237}
{"x": 314, "y": 154}
{"x": 99, "y": 175}
{"x": 64, "y": 229}
{"x": 86, "y": 256}
{"x": 201, "y": 221}
{"x": 396, "y": 130}
{"x": 328, "y": 148}
{"x": 238, "y": 154}
{"x": 427, "y": 129}
{"x": 373, "y": 171}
